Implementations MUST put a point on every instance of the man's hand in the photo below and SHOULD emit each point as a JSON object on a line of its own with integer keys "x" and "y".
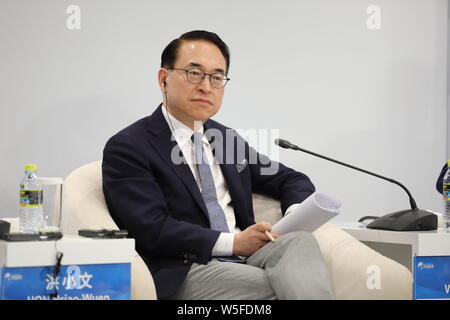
{"x": 252, "y": 239}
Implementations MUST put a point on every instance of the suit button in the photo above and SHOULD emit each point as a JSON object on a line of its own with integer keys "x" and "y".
{"x": 192, "y": 256}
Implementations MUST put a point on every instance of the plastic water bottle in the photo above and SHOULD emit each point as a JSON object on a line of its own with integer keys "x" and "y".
{"x": 447, "y": 197}
{"x": 31, "y": 216}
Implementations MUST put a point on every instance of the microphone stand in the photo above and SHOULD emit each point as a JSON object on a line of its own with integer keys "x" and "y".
{"x": 413, "y": 219}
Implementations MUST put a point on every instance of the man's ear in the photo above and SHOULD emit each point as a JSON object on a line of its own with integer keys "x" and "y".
{"x": 162, "y": 76}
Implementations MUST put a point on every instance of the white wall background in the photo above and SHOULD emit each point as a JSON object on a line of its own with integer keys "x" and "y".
{"x": 312, "y": 69}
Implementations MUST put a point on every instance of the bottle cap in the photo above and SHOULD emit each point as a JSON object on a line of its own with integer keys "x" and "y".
{"x": 30, "y": 167}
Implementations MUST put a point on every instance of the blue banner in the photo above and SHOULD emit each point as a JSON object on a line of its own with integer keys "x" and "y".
{"x": 74, "y": 282}
{"x": 432, "y": 277}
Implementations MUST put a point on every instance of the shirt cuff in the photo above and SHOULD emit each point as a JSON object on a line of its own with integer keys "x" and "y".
{"x": 291, "y": 208}
{"x": 224, "y": 245}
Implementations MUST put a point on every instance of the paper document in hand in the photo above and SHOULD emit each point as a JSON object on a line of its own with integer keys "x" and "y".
{"x": 317, "y": 209}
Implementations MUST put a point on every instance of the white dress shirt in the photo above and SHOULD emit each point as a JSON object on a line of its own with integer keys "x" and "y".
{"x": 183, "y": 134}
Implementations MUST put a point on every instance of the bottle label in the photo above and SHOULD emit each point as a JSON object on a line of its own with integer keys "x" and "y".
{"x": 446, "y": 191}
{"x": 31, "y": 198}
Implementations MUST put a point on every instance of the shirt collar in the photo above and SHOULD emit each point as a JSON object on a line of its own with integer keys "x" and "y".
{"x": 180, "y": 131}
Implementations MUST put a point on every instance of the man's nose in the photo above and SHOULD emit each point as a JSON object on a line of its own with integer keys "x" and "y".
{"x": 205, "y": 84}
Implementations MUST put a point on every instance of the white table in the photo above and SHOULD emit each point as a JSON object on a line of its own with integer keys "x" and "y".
{"x": 409, "y": 248}
{"x": 90, "y": 268}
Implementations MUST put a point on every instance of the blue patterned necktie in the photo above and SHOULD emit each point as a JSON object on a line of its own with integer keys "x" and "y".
{"x": 215, "y": 212}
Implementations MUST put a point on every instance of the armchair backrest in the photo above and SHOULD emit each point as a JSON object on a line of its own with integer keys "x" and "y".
{"x": 84, "y": 205}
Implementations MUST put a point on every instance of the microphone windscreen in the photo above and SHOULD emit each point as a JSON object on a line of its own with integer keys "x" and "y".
{"x": 283, "y": 143}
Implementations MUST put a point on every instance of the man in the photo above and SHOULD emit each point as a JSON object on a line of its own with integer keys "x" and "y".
{"x": 440, "y": 180}
{"x": 192, "y": 216}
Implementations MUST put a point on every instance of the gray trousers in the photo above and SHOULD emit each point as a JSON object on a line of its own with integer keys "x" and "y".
{"x": 292, "y": 268}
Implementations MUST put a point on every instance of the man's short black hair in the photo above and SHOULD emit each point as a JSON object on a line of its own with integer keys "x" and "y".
{"x": 169, "y": 54}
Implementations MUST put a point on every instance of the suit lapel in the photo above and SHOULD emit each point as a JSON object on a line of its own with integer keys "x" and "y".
{"x": 161, "y": 139}
{"x": 234, "y": 183}
{"x": 229, "y": 170}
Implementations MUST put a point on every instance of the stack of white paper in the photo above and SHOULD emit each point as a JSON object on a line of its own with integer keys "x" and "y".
{"x": 317, "y": 209}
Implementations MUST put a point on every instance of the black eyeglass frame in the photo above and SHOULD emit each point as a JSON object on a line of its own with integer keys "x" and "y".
{"x": 203, "y": 77}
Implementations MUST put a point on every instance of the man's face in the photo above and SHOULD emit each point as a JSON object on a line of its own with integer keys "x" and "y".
{"x": 190, "y": 102}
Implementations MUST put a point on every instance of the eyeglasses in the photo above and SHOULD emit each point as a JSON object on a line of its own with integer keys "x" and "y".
{"x": 195, "y": 76}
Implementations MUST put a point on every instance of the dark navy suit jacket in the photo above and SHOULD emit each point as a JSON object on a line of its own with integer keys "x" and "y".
{"x": 440, "y": 180}
{"x": 161, "y": 206}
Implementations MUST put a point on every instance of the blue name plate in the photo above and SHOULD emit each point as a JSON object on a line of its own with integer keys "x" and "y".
{"x": 432, "y": 277}
{"x": 74, "y": 282}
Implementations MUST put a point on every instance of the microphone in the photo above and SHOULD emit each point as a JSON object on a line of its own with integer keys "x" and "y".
{"x": 285, "y": 144}
{"x": 406, "y": 220}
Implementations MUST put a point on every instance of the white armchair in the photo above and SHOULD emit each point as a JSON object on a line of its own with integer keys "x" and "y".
{"x": 353, "y": 266}
{"x": 84, "y": 207}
